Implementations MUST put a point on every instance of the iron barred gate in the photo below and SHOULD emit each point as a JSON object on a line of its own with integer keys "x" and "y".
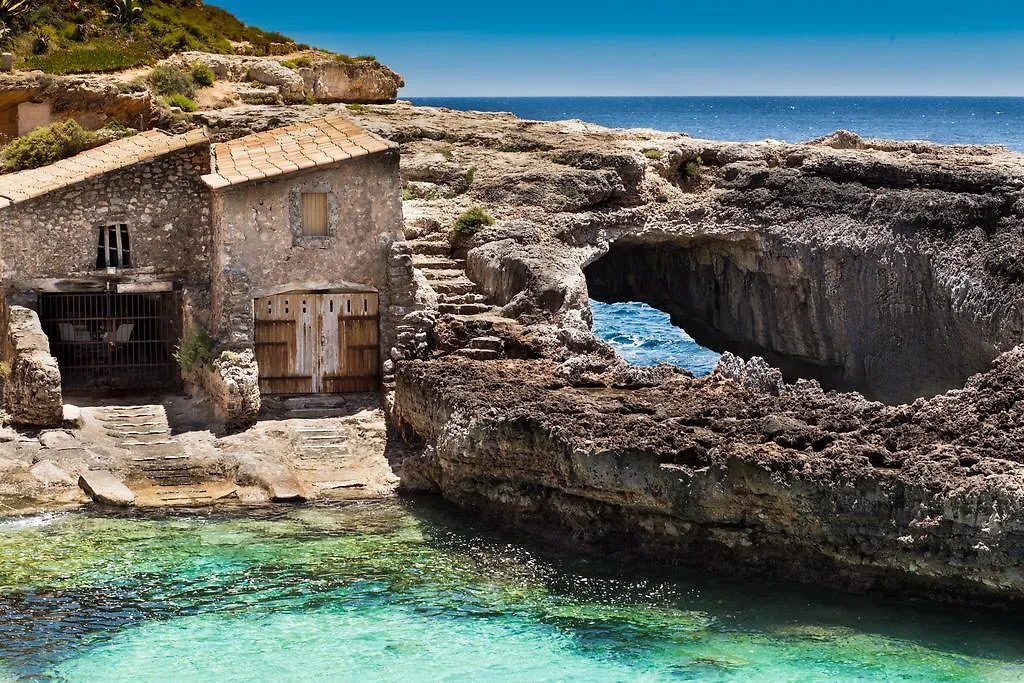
{"x": 105, "y": 341}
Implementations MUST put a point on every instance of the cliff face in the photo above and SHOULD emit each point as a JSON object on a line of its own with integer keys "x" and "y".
{"x": 805, "y": 485}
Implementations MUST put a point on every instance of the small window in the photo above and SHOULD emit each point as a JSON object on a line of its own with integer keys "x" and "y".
{"x": 114, "y": 249}
{"x": 314, "y": 213}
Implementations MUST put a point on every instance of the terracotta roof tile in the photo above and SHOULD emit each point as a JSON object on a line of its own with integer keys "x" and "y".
{"x": 36, "y": 182}
{"x": 298, "y": 147}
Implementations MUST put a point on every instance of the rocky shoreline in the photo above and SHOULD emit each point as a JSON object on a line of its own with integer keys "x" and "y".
{"x": 887, "y": 273}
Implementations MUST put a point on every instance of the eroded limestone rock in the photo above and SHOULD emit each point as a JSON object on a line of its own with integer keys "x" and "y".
{"x": 32, "y": 391}
{"x": 233, "y": 381}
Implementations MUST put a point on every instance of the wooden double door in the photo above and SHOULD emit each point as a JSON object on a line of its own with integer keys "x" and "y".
{"x": 318, "y": 343}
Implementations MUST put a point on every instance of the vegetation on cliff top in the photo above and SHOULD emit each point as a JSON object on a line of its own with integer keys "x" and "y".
{"x": 50, "y": 144}
{"x": 75, "y": 36}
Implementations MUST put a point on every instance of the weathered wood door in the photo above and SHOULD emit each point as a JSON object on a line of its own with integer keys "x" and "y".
{"x": 318, "y": 343}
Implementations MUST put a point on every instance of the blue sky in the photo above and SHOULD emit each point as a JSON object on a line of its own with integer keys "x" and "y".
{"x": 638, "y": 47}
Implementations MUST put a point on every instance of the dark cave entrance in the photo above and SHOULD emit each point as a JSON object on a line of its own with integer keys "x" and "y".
{"x": 852, "y": 322}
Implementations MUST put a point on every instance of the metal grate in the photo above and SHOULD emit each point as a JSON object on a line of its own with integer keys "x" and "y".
{"x": 113, "y": 342}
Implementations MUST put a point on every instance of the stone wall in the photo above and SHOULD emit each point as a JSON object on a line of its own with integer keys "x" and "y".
{"x": 260, "y": 244}
{"x": 32, "y": 392}
{"x": 162, "y": 200}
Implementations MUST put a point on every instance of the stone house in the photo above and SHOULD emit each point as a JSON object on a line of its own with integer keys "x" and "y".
{"x": 276, "y": 244}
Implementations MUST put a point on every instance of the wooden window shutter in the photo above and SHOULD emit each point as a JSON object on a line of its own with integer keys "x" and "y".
{"x": 314, "y": 213}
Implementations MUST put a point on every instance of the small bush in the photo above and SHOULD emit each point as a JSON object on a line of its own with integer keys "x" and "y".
{"x": 469, "y": 224}
{"x": 357, "y": 108}
{"x": 298, "y": 63}
{"x": 180, "y": 101}
{"x": 194, "y": 351}
{"x": 345, "y": 59}
{"x": 166, "y": 80}
{"x": 693, "y": 169}
{"x": 203, "y": 76}
{"x": 5, "y": 370}
{"x": 652, "y": 153}
{"x": 45, "y": 146}
{"x": 407, "y": 195}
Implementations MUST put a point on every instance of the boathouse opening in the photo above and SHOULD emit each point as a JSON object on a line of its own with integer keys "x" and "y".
{"x": 113, "y": 342}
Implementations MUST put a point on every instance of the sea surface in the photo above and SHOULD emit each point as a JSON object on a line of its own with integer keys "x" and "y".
{"x": 642, "y": 335}
{"x": 410, "y": 592}
{"x": 959, "y": 120}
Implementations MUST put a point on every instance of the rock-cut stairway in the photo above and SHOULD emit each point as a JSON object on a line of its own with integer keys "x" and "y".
{"x": 457, "y": 295}
{"x": 161, "y": 472}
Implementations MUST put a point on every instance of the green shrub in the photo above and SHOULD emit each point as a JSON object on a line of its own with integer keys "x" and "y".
{"x": 693, "y": 169}
{"x": 652, "y": 153}
{"x": 180, "y": 101}
{"x": 193, "y": 351}
{"x": 166, "y": 80}
{"x": 357, "y": 108}
{"x": 298, "y": 63}
{"x": 345, "y": 59}
{"x": 469, "y": 224}
{"x": 5, "y": 370}
{"x": 45, "y": 146}
{"x": 203, "y": 76}
{"x": 114, "y": 130}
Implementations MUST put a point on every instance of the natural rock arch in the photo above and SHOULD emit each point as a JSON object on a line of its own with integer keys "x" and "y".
{"x": 881, "y": 326}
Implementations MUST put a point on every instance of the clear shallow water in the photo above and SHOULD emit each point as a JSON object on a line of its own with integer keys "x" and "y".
{"x": 960, "y": 120}
{"x": 646, "y": 336}
{"x": 393, "y": 591}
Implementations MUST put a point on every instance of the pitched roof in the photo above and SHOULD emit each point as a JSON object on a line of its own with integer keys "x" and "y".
{"x": 24, "y": 185}
{"x": 298, "y": 147}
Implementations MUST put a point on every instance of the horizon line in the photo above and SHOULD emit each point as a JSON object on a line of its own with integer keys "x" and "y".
{"x": 482, "y": 97}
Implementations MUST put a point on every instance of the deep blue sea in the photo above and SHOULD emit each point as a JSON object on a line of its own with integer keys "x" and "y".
{"x": 980, "y": 120}
{"x": 644, "y": 336}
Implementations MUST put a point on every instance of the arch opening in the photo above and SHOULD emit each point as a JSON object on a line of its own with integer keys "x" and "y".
{"x": 852, "y": 323}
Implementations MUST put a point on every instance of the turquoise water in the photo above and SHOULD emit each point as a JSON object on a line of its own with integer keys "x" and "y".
{"x": 403, "y": 591}
{"x": 645, "y": 336}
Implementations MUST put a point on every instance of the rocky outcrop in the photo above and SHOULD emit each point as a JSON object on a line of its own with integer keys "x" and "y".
{"x": 233, "y": 382}
{"x": 29, "y": 100}
{"x": 792, "y": 482}
{"x": 32, "y": 390}
{"x": 876, "y": 266}
{"x": 320, "y": 77}
{"x": 331, "y": 80}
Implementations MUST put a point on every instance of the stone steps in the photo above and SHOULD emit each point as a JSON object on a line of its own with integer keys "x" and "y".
{"x": 464, "y": 309}
{"x": 444, "y": 274}
{"x": 457, "y": 285}
{"x": 430, "y": 247}
{"x": 466, "y": 298}
{"x": 425, "y": 263}
{"x": 478, "y": 354}
{"x": 487, "y": 343}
